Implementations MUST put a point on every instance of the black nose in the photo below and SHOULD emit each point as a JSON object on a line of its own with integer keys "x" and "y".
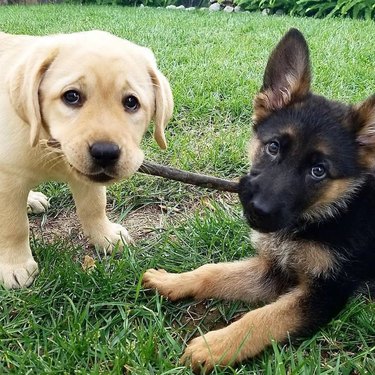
{"x": 261, "y": 208}
{"x": 105, "y": 154}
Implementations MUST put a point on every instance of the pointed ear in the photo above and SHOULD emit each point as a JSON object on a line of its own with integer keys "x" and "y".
{"x": 24, "y": 82}
{"x": 163, "y": 105}
{"x": 362, "y": 118}
{"x": 287, "y": 77}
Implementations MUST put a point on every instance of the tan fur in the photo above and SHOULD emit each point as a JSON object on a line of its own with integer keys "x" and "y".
{"x": 248, "y": 336}
{"x": 364, "y": 116}
{"x": 35, "y": 72}
{"x": 290, "y": 131}
{"x": 335, "y": 196}
{"x": 269, "y": 101}
{"x": 333, "y": 191}
{"x": 272, "y": 99}
{"x": 242, "y": 280}
{"x": 301, "y": 257}
{"x": 254, "y": 148}
{"x": 298, "y": 87}
{"x": 263, "y": 106}
{"x": 315, "y": 261}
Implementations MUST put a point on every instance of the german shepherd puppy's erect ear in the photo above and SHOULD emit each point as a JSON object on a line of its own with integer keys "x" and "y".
{"x": 362, "y": 121}
{"x": 287, "y": 76}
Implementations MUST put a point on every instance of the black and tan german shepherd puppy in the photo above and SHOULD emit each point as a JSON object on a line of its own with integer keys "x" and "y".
{"x": 310, "y": 200}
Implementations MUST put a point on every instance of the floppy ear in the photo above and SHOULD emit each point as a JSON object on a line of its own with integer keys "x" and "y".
{"x": 163, "y": 105}
{"x": 24, "y": 82}
{"x": 362, "y": 118}
{"x": 287, "y": 76}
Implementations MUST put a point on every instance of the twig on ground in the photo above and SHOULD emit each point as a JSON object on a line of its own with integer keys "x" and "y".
{"x": 210, "y": 182}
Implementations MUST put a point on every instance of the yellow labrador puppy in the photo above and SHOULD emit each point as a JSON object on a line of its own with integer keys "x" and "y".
{"x": 73, "y": 108}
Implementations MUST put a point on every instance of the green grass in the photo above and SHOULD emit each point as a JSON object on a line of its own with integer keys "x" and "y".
{"x": 99, "y": 322}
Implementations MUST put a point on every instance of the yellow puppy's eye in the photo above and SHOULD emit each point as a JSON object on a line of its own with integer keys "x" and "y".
{"x": 131, "y": 103}
{"x": 72, "y": 97}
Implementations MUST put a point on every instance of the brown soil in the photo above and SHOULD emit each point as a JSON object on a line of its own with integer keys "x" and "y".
{"x": 142, "y": 223}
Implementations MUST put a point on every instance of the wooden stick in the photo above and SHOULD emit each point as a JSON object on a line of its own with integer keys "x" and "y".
{"x": 191, "y": 178}
{"x": 210, "y": 182}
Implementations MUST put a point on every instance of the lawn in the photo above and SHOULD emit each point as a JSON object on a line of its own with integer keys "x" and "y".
{"x": 100, "y": 320}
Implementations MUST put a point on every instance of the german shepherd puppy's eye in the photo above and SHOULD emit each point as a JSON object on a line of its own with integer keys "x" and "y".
{"x": 318, "y": 172}
{"x": 273, "y": 148}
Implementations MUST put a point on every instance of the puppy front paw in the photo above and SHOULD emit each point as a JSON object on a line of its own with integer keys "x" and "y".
{"x": 18, "y": 275}
{"x": 37, "y": 202}
{"x": 113, "y": 235}
{"x": 167, "y": 284}
{"x": 214, "y": 348}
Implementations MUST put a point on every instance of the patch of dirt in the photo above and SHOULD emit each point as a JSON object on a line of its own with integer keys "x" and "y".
{"x": 64, "y": 225}
{"x": 142, "y": 223}
{"x": 202, "y": 314}
{"x": 208, "y": 315}
{"x": 147, "y": 220}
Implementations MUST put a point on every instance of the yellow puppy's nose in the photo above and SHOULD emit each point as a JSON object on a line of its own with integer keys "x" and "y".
{"x": 105, "y": 154}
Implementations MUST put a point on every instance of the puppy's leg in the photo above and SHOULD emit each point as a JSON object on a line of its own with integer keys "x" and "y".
{"x": 298, "y": 312}
{"x": 90, "y": 203}
{"x": 249, "y": 280}
{"x": 37, "y": 202}
{"x": 17, "y": 266}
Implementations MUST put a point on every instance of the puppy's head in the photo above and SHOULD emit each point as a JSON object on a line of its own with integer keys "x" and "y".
{"x": 95, "y": 94}
{"x": 309, "y": 154}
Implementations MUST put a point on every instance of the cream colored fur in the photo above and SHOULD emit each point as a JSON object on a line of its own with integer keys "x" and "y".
{"x": 35, "y": 72}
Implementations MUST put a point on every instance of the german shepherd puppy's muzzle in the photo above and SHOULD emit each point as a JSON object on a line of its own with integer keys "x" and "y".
{"x": 310, "y": 200}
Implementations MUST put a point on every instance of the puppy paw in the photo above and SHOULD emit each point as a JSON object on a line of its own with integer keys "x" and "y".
{"x": 37, "y": 202}
{"x": 167, "y": 284}
{"x": 113, "y": 235}
{"x": 19, "y": 275}
{"x": 214, "y": 348}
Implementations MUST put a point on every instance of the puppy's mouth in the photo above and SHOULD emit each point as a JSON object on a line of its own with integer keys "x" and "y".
{"x": 101, "y": 175}
{"x": 262, "y": 225}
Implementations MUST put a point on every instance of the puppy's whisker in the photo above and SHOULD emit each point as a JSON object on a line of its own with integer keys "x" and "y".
{"x": 50, "y": 163}
{"x": 52, "y": 153}
{"x": 51, "y": 148}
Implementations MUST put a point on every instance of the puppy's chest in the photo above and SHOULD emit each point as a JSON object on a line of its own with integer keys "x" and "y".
{"x": 303, "y": 257}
